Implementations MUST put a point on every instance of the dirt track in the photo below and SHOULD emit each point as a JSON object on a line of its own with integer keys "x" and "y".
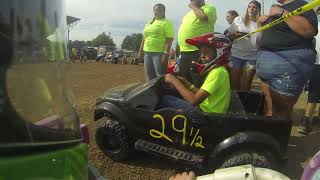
{"x": 91, "y": 79}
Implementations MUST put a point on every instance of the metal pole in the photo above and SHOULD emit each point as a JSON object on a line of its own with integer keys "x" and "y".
{"x": 262, "y": 8}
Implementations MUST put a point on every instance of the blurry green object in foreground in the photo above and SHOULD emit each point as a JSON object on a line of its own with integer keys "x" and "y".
{"x": 69, "y": 163}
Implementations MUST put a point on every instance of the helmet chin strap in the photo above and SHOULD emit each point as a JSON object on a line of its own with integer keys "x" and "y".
{"x": 209, "y": 66}
{"x": 213, "y": 63}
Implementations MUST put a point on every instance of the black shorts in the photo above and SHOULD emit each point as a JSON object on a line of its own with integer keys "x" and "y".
{"x": 186, "y": 59}
{"x": 314, "y": 86}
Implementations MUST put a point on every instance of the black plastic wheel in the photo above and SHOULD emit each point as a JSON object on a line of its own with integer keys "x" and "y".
{"x": 113, "y": 140}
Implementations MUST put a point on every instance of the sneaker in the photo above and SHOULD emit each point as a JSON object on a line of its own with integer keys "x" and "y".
{"x": 305, "y": 126}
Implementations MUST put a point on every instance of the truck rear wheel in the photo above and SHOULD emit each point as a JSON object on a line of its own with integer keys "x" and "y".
{"x": 113, "y": 140}
{"x": 261, "y": 158}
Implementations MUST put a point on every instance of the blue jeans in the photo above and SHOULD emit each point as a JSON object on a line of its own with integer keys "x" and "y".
{"x": 152, "y": 65}
{"x": 239, "y": 63}
{"x": 172, "y": 101}
{"x": 287, "y": 71}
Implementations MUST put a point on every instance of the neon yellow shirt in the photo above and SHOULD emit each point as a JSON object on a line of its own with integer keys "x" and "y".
{"x": 191, "y": 26}
{"x": 74, "y": 51}
{"x": 217, "y": 84}
{"x": 155, "y": 35}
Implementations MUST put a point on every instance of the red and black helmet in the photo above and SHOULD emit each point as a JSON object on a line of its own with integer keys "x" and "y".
{"x": 220, "y": 42}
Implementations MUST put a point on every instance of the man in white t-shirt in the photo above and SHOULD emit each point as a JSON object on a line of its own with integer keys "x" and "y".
{"x": 314, "y": 91}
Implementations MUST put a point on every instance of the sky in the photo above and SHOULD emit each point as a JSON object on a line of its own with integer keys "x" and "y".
{"x": 124, "y": 17}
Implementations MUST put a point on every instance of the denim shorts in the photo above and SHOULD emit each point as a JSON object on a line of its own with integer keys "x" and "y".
{"x": 287, "y": 71}
{"x": 239, "y": 63}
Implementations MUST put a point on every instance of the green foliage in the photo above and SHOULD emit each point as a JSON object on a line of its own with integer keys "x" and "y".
{"x": 88, "y": 43}
{"x": 77, "y": 44}
{"x": 132, "y": 42}
{"x": 103, "y": 40}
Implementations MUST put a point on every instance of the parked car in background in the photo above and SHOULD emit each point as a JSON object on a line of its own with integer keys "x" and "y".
{"x": 113, "y": 57}
{"x": 91, "y": 53}
{"x": 88, "y": 53}
{"x": 101, "y": 53}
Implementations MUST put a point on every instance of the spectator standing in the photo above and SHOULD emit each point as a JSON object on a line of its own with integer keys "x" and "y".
{"x": 199, "y": 20}
{"x": 286, "y": 57}
{"x": 83, "y": 55}
{"x": 314, "y": 92}
{"x": 244, "y": 52}
{"x": 231, "y": 15}
{"x": 156, "y": 43}
{"x": 74, "y": 54}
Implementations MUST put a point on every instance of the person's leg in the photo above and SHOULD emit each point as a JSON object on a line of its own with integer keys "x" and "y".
{"x": 306, "y": 121}
{"x": 159, "y": 67}
{"x": 286, "y": 73}
{"x": 247, "y": 76}
{"x": 282, "y": 105}
{"x": 184, "y": 66}
{"x": 172, "y": 101}
{"x": 264, "y": 72}
{"x": 185, "y": 60}
{"x": 313, "y": 98}
{"x": 268, "y": 105}
{"x": 310, "y": 110}
{"x": 314, "y": 87}
{"x": 148, "y": 66}
{"x": 236, "y": 72}
{"x": 297, "y": 67}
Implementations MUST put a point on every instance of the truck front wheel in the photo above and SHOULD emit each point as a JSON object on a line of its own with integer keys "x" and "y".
{"x": 113, "y": 140}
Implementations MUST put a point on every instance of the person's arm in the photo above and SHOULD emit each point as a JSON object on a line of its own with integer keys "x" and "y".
{"x": 169, "y": 32}
{"x": 262, "y": 20}
{"x": 141, "y": 49}
{"x": 166, "y": 53}
{"x": 233, "y": 32}
{"x": 184, "y": 176}
{"x": 193, "y": 98}
{"x": 235, "y": 35}
{"x": 298, "y": 24}
{"x": 301, "y": 25}
{"x": 187, "y": 84}
{"x": 198, "y": 11}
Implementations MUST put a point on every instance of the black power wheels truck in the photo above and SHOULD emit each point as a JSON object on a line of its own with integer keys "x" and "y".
{"x": 129, "y": 119}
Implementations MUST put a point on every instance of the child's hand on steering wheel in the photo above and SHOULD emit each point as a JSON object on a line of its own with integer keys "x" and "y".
{"x": 169, "y": 78}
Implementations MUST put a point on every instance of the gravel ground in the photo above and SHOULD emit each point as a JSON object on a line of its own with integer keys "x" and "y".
{"x": 90, "y": 79}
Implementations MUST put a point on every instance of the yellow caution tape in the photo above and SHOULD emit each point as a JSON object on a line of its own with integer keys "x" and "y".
{"x": 296, "y": 12}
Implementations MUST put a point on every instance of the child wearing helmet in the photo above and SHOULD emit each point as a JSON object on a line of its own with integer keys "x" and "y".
{"x": 214, "y": 94}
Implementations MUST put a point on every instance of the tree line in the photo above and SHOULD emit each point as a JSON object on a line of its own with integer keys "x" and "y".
{"x": 130, "y": 42}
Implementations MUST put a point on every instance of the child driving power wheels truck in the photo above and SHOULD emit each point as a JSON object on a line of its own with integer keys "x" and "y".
{"x": 214, "y": 94}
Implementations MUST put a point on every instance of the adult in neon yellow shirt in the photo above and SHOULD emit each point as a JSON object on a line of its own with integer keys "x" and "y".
{"x": 214, "y": 94}
{"x": 156, "y": 43}
{"x": 199, "y": 20}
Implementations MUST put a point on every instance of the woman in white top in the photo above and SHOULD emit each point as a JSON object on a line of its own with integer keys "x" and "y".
{"x": 244, "y": 52}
